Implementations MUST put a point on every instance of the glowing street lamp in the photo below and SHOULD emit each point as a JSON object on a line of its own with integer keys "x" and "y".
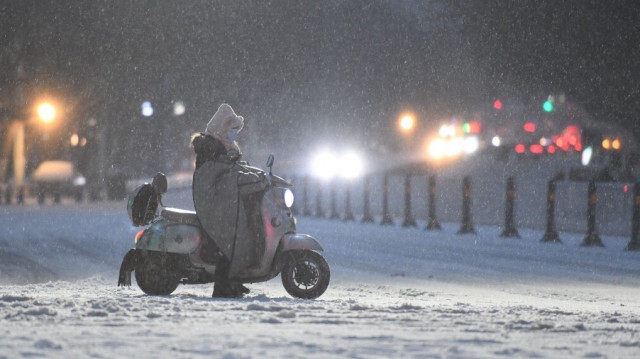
{"x": 46, "y": 112}
{"x": 407, "y": 123}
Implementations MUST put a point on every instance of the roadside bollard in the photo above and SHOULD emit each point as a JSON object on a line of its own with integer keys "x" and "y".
{"x": 366, "y": 207}
{"x": 409, "y": 221}
{"x": 305, "y": 197}
{"x": 634, "y": 242}
{"x": 56, "y": 196}
{"x": 348, "y": 215}
{"x": 466, "y": 227}
{"x": 334, "y": 210}
{"x": 319, "y": 210}
{"x": 592, "y": 238}
{"x": 386, "y": 217}
{"x": 294, "y": 208}
{"x": 510, "y": 229}
{"x": 433, "y": 220}
{"x": 551, "y": 235}
{"x": 20, "y": 196}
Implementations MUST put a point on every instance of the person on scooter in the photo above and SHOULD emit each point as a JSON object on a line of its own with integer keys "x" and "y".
{"x": 226, "y": 198}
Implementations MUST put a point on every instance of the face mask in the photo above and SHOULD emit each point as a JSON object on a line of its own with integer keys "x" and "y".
{"x": 232, "y": 135}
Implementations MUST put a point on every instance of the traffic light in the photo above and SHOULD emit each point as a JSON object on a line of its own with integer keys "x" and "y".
{"x": 472, "y": 127}
{"x": 547, "y": 106}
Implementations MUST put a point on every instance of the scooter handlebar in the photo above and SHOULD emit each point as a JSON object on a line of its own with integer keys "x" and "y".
{"x": 272, "y": 180}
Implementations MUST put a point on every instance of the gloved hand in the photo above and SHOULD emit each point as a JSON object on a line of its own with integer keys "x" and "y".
{"x": 250, "y": 182}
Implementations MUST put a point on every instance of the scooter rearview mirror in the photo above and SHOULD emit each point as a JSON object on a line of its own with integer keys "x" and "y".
{"x": 270, "y": 162}
{"x": 159, "y": 183}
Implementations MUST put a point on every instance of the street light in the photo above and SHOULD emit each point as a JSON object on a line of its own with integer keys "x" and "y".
{"x": 407, "y": 122}
{"x": 46, "y": 112}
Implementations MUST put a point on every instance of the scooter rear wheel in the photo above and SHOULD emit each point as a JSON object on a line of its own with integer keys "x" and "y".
{"x": 154, "y": 279}
{"x": 305, "y": 274}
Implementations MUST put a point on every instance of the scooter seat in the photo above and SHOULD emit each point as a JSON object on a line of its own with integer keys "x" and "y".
{"x": 181, "y": 216}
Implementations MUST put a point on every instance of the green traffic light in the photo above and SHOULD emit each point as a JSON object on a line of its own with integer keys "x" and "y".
{"x": 547, "y": 106}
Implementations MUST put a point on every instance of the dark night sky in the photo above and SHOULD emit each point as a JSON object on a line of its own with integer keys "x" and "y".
{"x": 298, "y": 70}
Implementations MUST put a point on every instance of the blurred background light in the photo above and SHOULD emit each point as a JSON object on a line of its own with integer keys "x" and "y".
{"x": 178, "y": 108}
{"x": 147, "y": 109}
{"x": 350, "y": 165}
{"x": 46, "y": 112}
{"x": 586, "y": 156}
{"x": 323, "y": 165}
{"x": 470, "y": 145}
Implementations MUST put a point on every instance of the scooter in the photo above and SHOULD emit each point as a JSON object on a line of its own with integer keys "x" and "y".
{"x": 174, "y": 249}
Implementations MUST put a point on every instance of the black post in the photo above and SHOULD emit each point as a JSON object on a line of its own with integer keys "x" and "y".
{"x": 510, "y": 229}
{"x": 294, "y": 208}
{"x": 319, "y": 210}
{"x": 20, "y": 196}
{"x": 466, "y": 226}
{"x": 334, "y": 189}
{"x": 386, "y": 217}
{"x": 592, "y": 238}
{"x": 305, "y": 197}
{"x": 348, "y": 215}
{"x": 366, "y": 208}
{"x": 551, "y": 235}
{"x": 634, "y": 242}
{"x": 433, "y": 220}
{"x": 409, "y": 221}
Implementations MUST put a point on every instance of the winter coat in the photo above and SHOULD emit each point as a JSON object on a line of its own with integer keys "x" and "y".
{"x": 222, "y": 191}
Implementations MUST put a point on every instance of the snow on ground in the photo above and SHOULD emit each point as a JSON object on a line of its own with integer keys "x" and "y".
{"x": 394, "y": 292}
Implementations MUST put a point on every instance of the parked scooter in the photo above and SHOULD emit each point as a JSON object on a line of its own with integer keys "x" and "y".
{"x": 173, "y": 248}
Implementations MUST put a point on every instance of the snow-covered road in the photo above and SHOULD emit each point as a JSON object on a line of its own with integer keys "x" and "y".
{"x": 395, "y": 292}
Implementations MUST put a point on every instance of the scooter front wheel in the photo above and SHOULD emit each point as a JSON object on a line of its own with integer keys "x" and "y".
{"x": 154, "y": 279}
{"x": 305, "y": 274}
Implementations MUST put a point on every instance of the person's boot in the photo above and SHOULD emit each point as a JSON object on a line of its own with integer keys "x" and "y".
{"x": 242, "y": 289}
{"x": 225, "y": 289}
{"x": 239, "y": 288}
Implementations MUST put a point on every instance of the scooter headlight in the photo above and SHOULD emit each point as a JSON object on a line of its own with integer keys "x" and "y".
{"x": 288, "y": 198}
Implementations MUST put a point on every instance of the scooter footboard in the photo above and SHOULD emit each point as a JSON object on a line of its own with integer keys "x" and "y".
{"x": 298, "y": 241}
{"x": 129, "y": 264}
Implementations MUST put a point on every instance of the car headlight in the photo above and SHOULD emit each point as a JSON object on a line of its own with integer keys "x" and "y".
{"x": 288, "y": 198}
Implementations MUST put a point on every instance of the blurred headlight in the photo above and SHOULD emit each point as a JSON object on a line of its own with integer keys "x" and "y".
{"x": 350, "y": 165}
{"x": 79, "y": 181}
{"x": 288, "y": 198}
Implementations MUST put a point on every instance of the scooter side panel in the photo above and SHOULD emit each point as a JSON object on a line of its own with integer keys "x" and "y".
{"x": 277, "y": 222}
{"x": 171, "y": 238}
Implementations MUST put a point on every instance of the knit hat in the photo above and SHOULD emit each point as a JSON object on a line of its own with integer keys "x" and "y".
{"x": 224, "y": 120}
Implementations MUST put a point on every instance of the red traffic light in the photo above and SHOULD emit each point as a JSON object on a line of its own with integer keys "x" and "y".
{"x": 497, "y": 104}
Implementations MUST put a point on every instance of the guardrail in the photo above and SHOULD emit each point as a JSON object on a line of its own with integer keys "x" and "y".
{"x": 574, "y": 204}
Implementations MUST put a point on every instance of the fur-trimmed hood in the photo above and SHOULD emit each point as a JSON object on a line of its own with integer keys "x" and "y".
{"x": 207, "y": 148}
